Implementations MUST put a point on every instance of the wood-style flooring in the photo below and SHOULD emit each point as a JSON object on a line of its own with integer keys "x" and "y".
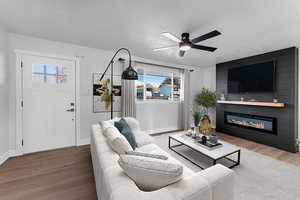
{"x": 67, "y": 174}
{"x": 62, "y": 174}
{"x": 292, "y": 158}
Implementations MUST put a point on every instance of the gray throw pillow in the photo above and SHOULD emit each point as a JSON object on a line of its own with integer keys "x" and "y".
{"x": 125, "y": 130}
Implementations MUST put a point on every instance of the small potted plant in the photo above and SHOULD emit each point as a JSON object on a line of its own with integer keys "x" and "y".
{"x": 206, "y": 99}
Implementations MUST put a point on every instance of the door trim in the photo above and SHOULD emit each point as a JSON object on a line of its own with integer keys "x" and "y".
{"x": 19, "y": 95}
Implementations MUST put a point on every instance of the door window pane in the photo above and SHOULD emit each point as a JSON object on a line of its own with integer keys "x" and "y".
{"x": 48, "y": 74}
{"x": 37, "y": 78}
{"x": 38, "y": 68}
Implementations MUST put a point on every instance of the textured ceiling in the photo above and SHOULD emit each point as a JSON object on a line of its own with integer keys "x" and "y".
{"x": 248, "y": 27}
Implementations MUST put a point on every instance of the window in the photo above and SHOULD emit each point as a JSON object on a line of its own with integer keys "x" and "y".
{"x": 48, "y": 74}
{"x": 158, "y": 84}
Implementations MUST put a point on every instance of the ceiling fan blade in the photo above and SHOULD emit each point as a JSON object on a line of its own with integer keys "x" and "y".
{"x": 165, "y": 48}
{"x": 171, "y": 37}
{"x": 181, "y": 53}
{"x": 205, "y": 48}
{"x": 206, "y": 36}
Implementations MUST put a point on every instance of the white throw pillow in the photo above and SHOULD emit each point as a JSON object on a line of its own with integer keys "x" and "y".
{"x": 105, "y": 125}
{"x": 132, "y": 123}
{"x": 117, "y": 141}
{"x": 108, "y": 123}
{"x": 149, "y": 173}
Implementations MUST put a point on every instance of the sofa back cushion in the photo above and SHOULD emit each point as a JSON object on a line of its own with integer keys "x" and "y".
{"x": 125, "y": 130}
{"x": 117, "y": 141}
{"x": 150, "y": 173}
{"x": 133, "y": 123}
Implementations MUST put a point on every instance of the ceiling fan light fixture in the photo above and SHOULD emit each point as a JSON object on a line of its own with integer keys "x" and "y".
{"x": 185, "y": 46}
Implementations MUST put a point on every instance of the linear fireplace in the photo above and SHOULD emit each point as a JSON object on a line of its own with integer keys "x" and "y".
{"x": 260, "y": 123}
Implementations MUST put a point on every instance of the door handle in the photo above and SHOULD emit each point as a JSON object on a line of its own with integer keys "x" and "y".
{"x": 70, "y": 110}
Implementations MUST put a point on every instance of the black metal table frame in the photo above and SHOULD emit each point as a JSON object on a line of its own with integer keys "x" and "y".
{"x": 236, "y": 163}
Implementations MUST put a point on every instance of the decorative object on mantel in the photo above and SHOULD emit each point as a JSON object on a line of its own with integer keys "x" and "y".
{"x": 222, "y": 97}
{"x": 128, "y": 74}
{"x": 252, "y": 103}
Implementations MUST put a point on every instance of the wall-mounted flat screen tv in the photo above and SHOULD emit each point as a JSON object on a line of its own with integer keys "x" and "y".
{"x": 258, "y": 77}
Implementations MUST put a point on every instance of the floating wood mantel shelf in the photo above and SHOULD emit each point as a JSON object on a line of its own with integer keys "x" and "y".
{"x": 253, "y": 103}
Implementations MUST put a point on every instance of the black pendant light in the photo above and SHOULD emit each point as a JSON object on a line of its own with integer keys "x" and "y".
{"x": 130, "y": 74}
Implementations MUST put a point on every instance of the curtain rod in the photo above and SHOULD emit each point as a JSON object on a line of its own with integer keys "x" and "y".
{"x": 146, "y": 63}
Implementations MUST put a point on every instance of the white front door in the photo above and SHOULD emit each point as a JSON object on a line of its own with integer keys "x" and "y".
{"x": 48, "y": 103}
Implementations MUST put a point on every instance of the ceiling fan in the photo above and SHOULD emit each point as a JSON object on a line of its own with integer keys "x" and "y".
{"x": 185, "y": 43}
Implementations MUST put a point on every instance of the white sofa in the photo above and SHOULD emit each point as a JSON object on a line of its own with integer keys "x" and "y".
{"x": 214, "y": 183}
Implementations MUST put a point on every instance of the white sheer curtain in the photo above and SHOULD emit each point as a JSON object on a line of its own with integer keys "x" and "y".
{"x": 186, "y": 105}
{"x": 128, "y": 96}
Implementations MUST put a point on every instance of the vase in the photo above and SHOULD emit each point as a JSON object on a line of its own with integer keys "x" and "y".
{"x": 205, "y": 126}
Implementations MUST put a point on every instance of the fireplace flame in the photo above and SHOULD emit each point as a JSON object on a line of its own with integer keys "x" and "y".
{"x": 259, "y": 125}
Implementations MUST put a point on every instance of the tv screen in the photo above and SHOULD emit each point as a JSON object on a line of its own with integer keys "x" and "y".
{"x": 258, "y": 77}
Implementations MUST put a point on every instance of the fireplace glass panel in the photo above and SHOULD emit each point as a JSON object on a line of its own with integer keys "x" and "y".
{"x": 261, "y": 123}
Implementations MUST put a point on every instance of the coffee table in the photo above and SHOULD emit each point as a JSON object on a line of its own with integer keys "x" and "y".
{"x": 215, "y": 155}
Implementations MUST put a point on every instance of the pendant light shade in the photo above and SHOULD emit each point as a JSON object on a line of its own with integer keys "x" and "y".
{"x": 129, "y": 74}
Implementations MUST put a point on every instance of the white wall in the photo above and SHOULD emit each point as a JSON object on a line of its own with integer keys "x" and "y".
{"x": 4, "y": 94}
{"x": 204, "y": 77}
{"x": 154, "y": 116}
{"x": 158, "y": 116}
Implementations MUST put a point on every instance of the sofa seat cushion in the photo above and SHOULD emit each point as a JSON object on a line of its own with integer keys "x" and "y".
{"x": 149, "y": 173}
{"x": 154, "y": 149}
{"x": 142, "y": 138}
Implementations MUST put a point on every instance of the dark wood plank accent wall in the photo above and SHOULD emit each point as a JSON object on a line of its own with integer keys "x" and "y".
{"x": 286, "y": 92}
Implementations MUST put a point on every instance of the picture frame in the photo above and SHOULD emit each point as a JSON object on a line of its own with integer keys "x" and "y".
{"x": 102, "y": 91}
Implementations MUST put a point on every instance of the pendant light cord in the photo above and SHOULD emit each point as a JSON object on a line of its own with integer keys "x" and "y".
{"x": 112, "y": 60}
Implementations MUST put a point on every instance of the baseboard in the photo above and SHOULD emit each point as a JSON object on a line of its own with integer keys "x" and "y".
{"x": 162, "y": 130}
{"x": 5, "y": 156}
{"x": 166, "y": 132}
{"x": 84, "y": 141}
